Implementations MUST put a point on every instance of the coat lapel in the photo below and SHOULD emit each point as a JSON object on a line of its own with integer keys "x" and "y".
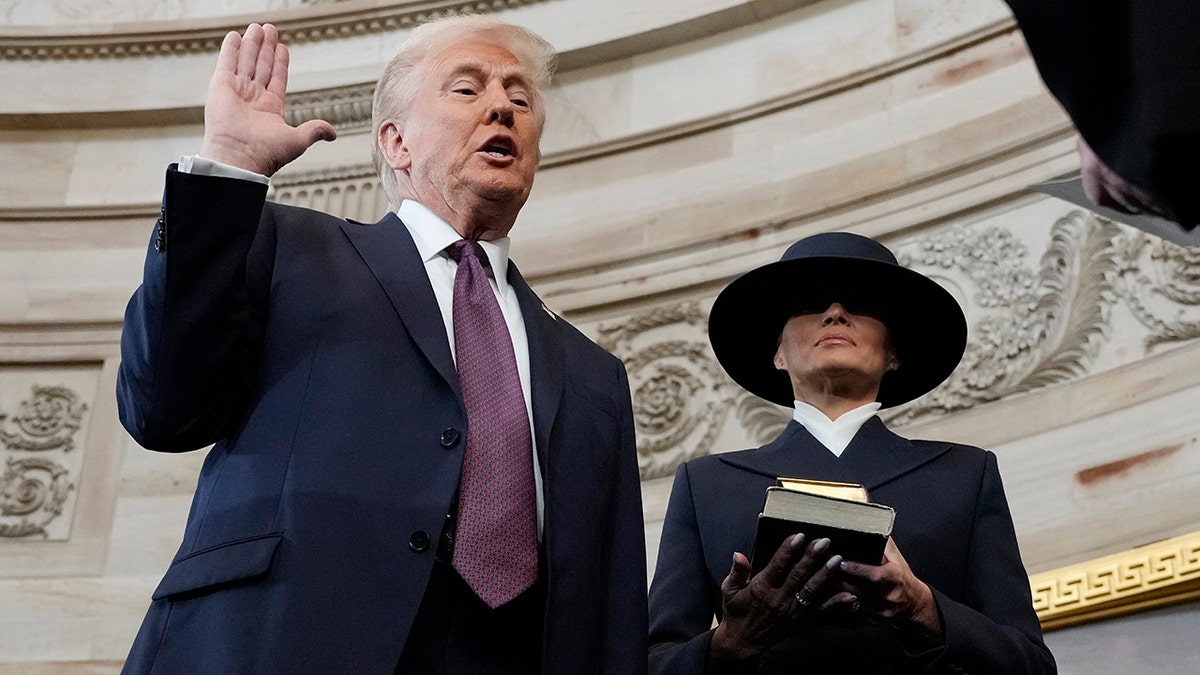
{"x": 874, "y": 457}
{"x": 543, "y": 330}
{"x": 878, "y": 456}
{"x": 388, "y": 250}
{"x": 795, "y": 454}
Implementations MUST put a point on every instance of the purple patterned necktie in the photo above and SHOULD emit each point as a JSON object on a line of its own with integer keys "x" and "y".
{"x": 495, "y": 548}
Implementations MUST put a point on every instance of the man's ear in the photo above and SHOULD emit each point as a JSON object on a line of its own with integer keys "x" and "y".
{"x": 393, "y": 148}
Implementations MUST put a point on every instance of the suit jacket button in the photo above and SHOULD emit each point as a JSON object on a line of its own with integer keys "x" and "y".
{"x": 450, "y": 437}
{"x": 419, "y": 541}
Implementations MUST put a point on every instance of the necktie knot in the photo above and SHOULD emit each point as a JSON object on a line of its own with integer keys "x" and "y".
{"x": 465, "y": 248}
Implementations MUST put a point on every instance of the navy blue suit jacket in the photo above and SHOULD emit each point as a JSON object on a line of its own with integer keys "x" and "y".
{"x": 311, "y": 351}
{"x": 952, "y": 526}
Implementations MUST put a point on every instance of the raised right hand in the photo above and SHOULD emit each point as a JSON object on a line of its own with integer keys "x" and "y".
{"x": 760, "y": 609}
{"x": 244, "y": 124}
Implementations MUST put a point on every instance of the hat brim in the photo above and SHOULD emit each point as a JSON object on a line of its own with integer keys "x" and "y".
{"x": 925, "y": 322}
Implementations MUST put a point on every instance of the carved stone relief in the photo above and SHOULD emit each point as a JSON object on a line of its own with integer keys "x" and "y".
{"x": 352, "y": 192}
{"x": 1029, "y": 327}
{"x": 681, "y": 396}
{"x": 38, "y": 442}
{"x": 1035, "y": 319}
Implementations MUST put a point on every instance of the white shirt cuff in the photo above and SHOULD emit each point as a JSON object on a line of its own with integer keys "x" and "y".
{"x": 200, "y": 166}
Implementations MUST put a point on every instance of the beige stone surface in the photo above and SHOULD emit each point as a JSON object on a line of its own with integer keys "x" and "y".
{"x": 689, "y": 141}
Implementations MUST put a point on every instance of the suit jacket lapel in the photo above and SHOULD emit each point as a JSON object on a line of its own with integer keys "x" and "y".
{"x": 877, "y": 456}
{"x": 874, "y": 457}
{"x": 543, "y": 330}
{"x": 795, "y": 454}
{"x": 388, "y": 250}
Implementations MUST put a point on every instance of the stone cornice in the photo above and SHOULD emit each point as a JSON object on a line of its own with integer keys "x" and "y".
{"x": 311, "y": 24}
{"x": 1162, "y": 573}
{"x": 348, "y": 108}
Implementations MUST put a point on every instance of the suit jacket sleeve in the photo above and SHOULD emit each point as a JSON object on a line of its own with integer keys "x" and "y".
{"x": 1125, "y": 72}
{"x": 194, "y": 328}
{"x": 682, "y": 605}
{"x": 995, "y": 630}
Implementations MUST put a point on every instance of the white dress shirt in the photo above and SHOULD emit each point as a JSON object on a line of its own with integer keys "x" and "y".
{"x": 834, "y": 434}
{"x": 432, "y": 235}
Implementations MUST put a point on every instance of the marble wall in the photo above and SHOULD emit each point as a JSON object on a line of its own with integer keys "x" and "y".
{"x": 688, "y": 141}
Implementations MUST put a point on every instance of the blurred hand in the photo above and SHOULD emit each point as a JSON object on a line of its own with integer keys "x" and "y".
{"x": 244, "y": 124}
{"x": 1103, "y": 186}
{"x": 759, "y": 610}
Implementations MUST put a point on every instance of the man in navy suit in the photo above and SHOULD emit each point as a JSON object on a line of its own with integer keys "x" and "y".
{"x": 837, "y": 329}
{"x": 323, "y": 359}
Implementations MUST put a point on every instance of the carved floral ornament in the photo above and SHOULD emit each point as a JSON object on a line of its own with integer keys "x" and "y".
{"x": 1033, "y": 323}
{"x": 35, "y": 485}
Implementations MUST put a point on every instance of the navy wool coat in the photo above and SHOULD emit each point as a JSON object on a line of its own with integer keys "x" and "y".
{"x": 311, "y": 351}
{"x": 952, "y": 526}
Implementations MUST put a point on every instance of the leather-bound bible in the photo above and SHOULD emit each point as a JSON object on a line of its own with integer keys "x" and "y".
{"x": 857, "y": 529}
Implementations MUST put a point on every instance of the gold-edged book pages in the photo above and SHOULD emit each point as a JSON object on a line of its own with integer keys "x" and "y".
{"x": 828, "y": 488}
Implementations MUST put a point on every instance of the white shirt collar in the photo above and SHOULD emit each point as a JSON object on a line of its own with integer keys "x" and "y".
{"x": 834, "y": 434}
{"x": 432, "y": 235}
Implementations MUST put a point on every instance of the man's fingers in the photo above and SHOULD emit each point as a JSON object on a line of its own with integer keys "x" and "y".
{"x": 279, "y": 76}
{"x": 227, "y": 59}
{"x": 248, "y": 54}
{"x": 264, "y": 67}
{"x": 320, "y": 130}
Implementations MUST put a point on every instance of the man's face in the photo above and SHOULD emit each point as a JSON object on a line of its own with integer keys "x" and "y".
{"x": 470, "y": 132}
{"x": 835, "y": 351}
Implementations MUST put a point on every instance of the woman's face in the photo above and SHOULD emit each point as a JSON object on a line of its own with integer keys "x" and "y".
{"x": 835, "y": 351}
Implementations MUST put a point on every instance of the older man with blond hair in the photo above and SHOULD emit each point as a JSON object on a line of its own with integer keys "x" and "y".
{"x": 418, "y": 467}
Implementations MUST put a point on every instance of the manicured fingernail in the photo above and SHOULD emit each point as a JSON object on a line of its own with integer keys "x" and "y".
{"x": 798, "y": 540}
{"x": 820, "y": 545}
{"x": 833, "y": 562}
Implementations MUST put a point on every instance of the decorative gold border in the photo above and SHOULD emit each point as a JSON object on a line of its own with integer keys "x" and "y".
{"x": 1163, "y": 573}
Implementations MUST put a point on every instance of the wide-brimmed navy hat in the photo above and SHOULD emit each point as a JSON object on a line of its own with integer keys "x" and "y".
{"x": 927, "y": 327}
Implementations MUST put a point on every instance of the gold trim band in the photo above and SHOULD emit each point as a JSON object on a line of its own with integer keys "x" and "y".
{"x": 1162, "y": 573}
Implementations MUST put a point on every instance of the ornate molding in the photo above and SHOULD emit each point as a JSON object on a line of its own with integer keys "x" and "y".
{"x": 681, "y": 397}
{"x": 34, "y": 486}
{"x": 46, "y": 422}
{"x": 32, "y": 493}
{"x": 1160, "y": 286}
{"x": 1166, "y": 572}
{"x": 297, "y": 26}
{"x": 1035, "y": 321}
{"x": 347, "y": 108}
{"x": 1039, "y": 327}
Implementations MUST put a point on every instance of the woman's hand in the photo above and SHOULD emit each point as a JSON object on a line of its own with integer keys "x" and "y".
{"x": 758, "y": 610}
{"x": 890, "y": 591}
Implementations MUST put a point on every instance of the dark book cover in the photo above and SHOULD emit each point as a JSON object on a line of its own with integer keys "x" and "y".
{"x": 856, "y": 530}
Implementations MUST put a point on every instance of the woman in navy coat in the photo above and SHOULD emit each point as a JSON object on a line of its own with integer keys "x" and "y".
{"x": 838, "y": 330}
